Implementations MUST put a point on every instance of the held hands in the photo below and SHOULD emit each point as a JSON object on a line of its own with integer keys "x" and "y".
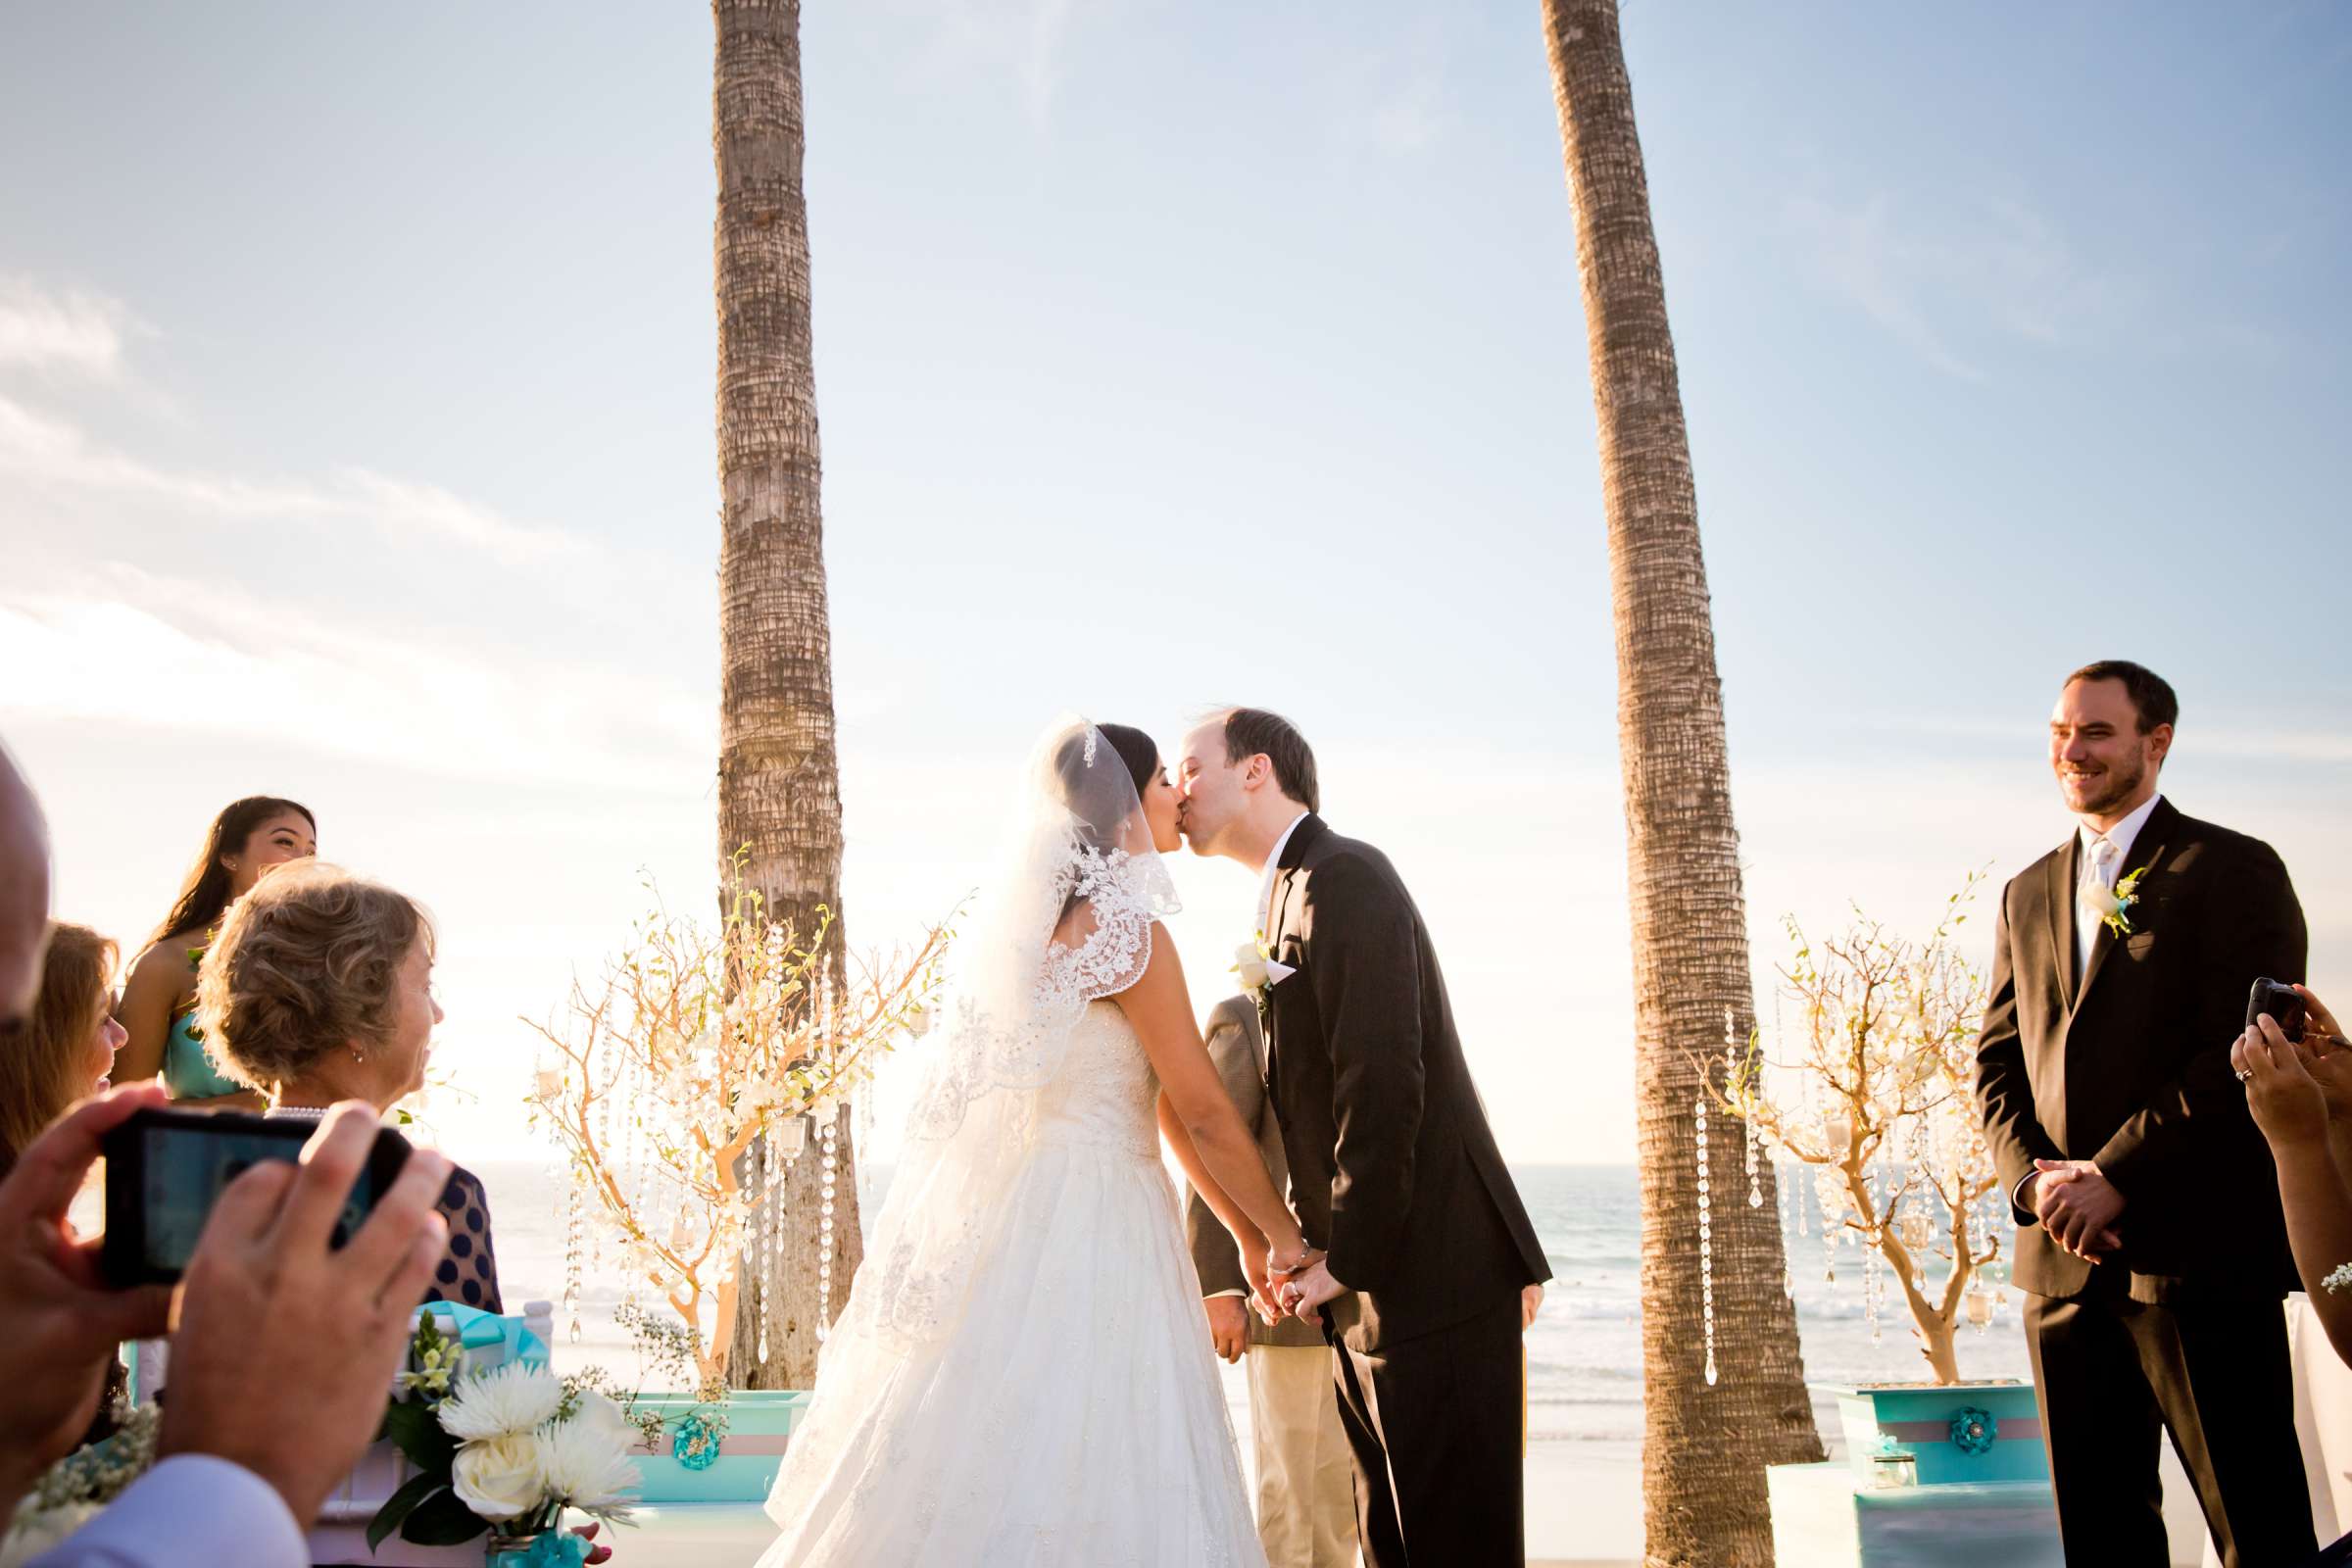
{"x": 1306, "y": 1292}
{"x": 2079, "y": 1206}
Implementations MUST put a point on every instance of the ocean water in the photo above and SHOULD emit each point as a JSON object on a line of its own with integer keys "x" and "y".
{"x": 1584, "y": 1353}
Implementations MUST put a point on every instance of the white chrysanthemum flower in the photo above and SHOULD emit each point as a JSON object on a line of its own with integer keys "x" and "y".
{"x": 585, "y": 1465}
{"x": 505, "y": 1402}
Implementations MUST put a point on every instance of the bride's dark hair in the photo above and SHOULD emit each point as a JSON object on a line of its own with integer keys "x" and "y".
{"x": 1138, "y": 752}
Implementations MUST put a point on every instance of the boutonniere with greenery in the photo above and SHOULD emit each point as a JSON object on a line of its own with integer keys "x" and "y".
{"x": 1256, "y": 964}
{"x": 2114, "y": 906}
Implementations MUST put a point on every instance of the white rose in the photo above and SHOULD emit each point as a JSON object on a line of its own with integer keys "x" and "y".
{"x": 1250, "y": 965}
{"x": 2100, "y": 899}
{"x": 498, "y": 1478}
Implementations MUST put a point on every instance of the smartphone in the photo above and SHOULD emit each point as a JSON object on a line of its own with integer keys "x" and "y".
{"x": 2280, "y": 1002}
{"x": 164, "y": 1168}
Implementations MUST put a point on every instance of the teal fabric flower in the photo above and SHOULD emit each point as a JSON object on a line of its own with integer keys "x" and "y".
{"x": 696, "y": 1446}
{"x": 1974, "y": 1431}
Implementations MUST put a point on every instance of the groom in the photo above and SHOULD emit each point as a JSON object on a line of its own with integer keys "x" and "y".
{"x": 1425, "y": 1246}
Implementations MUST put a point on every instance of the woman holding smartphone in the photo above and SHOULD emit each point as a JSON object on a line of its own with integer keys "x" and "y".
{"x": 250, "y": 838}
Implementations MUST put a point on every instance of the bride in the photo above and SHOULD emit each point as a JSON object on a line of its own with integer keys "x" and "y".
{"x": 1020, "y": 1373}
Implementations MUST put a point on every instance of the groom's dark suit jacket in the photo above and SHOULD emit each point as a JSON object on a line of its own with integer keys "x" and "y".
{"x": 1392, "y": 1166}
{"x": 2128, "y": 1064}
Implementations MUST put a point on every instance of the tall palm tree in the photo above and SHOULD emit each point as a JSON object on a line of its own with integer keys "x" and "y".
{"x": 1707, "y": 1438}
{"x": 779, "y": 789}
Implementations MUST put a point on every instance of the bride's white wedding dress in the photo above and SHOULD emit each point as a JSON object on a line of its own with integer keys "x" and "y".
{"x": 1023, "y": 1374}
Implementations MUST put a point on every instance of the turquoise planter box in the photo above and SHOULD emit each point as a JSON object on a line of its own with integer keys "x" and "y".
{"x": 1920, "y": 1418}
{"x": 1822, "y": 1518}
{"x": 760, "y": 1423}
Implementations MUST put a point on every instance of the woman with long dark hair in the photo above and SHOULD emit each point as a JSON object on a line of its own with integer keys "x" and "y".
{"x": 159, "y": 999}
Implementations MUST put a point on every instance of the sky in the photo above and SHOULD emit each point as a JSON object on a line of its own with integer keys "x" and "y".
{"x": 356, "y": 403}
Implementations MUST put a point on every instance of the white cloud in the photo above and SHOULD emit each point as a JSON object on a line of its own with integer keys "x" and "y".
{"x": 277, "y": 674}
{"x": 35, "y": 447}
{"x": 74, "y": 331}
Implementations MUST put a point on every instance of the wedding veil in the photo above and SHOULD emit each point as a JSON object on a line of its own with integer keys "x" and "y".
{"x": 1065, "y": 921}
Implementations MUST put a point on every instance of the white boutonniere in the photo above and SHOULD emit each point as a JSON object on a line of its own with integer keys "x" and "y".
{"x": 2113, "y": 905}
{"x": 2338, "y": 1280}
{"x": 1259, "y": 973}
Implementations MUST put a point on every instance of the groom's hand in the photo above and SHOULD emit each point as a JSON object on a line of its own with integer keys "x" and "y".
{"x": 1309, "y": 1288}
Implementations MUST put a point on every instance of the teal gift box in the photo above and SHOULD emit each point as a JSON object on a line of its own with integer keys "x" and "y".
{"x": 758, "y": 1427}
{"x": 1955, "y": 1431}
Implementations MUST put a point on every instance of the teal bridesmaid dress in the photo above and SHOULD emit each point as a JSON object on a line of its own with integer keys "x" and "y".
{"x": 189, "y": 1073}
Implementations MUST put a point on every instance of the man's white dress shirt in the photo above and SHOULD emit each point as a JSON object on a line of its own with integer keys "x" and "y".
{"x": 2104, "y": 857}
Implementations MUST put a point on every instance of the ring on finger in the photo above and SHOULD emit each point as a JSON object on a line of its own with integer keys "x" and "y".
{"x": 2244, "y": 1074}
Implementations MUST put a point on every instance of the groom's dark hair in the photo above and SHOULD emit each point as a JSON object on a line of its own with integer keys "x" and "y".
{"x": 1251, "y": 730}
{"x": 2151, "y": 695}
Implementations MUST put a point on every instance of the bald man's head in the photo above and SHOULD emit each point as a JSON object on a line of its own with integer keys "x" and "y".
{"x": 24, "y": 894}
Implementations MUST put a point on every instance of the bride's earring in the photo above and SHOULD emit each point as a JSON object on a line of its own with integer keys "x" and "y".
{"x": 358, "y": 1056}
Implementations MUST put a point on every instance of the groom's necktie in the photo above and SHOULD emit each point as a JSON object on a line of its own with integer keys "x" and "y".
{"x": 2098, "y": 865}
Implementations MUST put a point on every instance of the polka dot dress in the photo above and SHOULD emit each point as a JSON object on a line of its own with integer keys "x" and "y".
{"x": 467, "y": 1272}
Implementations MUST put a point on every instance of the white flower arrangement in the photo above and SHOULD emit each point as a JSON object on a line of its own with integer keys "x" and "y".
{"x": 2338, "y": 1281}
{"x": 506, "y": 1450}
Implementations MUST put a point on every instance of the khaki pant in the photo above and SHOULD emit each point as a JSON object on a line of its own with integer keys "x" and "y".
{"x": 1305, "y": 1479}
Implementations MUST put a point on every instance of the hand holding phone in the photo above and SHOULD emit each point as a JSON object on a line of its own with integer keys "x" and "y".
{"x": 166, "y": 1168}
{"x": 60, "y": 1321}
{"x": 286, "y": 1344}
{"x": 2284, "y": 1003}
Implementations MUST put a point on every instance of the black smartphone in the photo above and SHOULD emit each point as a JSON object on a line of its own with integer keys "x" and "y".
{"x": 164, "y": 1168}
{"x": 2280, "y": 1002}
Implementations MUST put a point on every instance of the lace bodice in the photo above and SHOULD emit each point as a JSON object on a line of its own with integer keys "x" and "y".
{"x": 1106, "y": 1094}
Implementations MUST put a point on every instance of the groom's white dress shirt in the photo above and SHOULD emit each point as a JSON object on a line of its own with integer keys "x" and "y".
{"x": 1266, "y": 882}
{"x": 2104, "y": 855}
{"x": 192, "y": 1510}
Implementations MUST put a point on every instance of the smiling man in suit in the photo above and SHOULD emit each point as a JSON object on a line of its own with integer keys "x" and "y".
{"x": 2150, "y": 1244}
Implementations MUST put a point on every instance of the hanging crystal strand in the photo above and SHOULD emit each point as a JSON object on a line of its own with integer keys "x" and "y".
{"x": 761, "y": 1243}
{"x": 1706, "y": 1243}
{"x": 1780, "y": 1204}
{"x": 827, "y": 1138}
{"x": 572, "y": 1258}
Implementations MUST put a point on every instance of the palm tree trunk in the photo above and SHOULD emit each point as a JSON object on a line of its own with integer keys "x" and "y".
{"x": 779, "y": 790}
{"x": 1706, "y": 1446}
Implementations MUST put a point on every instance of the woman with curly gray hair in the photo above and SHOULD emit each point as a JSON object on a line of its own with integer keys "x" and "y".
{"x": 318, "y": 989}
